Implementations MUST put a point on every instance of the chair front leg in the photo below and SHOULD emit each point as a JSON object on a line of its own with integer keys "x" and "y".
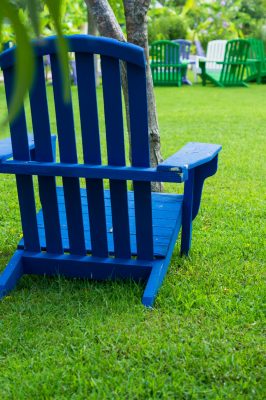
{"x": 187, "y": 214}
{"x": 192, "y": 199}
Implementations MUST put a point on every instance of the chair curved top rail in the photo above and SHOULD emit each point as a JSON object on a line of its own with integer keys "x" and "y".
{"x": 84, "y": 44}
{"x": 168, "y": 42}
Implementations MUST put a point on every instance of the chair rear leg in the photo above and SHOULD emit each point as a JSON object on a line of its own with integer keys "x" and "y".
{"x": 12, "y": 274}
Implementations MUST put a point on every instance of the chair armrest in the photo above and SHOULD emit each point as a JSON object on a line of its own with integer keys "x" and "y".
{"x": 253, "y": 60}
{"x": 232, "y": 62}
{"x": 197, "y": 161}
{"x": 190, "y": 156}
{"x": 6, "y": 148}
{"x": 200, "y": 58}
{"x": 155, "y": 65}
{"x": 6, "y": 151}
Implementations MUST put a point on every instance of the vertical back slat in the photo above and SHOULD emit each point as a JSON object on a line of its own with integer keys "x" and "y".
{"x": 91, "y": 151}
{"x": 44, "y": 152}
{"x": 140, "y": 158}
{"x": 20, "y": 147}
{"x": 68, "y": 154}
{"x": 116, "y": 153}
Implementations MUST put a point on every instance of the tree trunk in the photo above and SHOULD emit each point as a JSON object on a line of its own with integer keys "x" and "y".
{"x": 137, "y": 33}
{"x": 92, "y": 30}
{"x": 105, "y": 19}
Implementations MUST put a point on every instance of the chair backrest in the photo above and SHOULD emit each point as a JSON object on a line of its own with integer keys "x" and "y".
{"x": 112, "y": 52}
{"x": 164, "y": 52}
{"x": 215, "y": 52}
{"x": 257, "y": 52}
{"x": 234, "y": 67}
{"x": 199, "y": 49}
{"x": 184, "y": 46}
{"x": 7, "y": 45}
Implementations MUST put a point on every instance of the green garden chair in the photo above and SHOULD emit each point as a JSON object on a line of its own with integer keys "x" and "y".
{"x": 166, "y": 65}
{"x": 256, "y": 70}
{"x": 233, "y": 71}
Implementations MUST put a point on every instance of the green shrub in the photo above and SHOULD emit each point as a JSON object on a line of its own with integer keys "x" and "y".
{"x": 167, "y": 27}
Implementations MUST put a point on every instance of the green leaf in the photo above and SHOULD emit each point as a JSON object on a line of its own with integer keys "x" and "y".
{"x": 34, "y": 15}
{"x": 24, "y": 67}
{"x": 55, "y": 9}
{"x": 189, "y": 5}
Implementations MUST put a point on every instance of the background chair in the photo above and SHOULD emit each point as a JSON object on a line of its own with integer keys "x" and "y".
{"x": 232, "y": 70}
{"x": 184, "y": 48}
{"x": 166, "y": 66}
{"x": 256, "y": 70}
{"x": 215, "y": 53}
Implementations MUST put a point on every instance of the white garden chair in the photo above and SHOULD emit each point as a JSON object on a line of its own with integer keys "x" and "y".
{"x": 215, "y": 52}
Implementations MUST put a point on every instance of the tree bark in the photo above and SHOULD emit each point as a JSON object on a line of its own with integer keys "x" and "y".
{"x": 92, "y": 30}
{"x": 105, "y": 19}
{"x": 137, "y": 33}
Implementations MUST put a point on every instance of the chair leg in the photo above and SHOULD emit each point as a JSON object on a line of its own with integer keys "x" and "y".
{"x": 186, "y": 239}
{"x": 12, "y": 273}
{"x": 195, "y": 74}
{"x": 187, "y": 214}
{"x": 154, "y": 283}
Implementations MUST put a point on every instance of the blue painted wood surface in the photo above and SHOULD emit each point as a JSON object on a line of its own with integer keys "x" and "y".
{"x": 187, "y": 213}
{"x": 12, "y": 273}
{"x": 92, "y": 171}
{"x": 91, "y": 151}
{"x": 21, "y": 152}
{"x": 85, "y": 267}
{"x": 140, "y": 140}
{"x": 83, "y": 44}
{"x": 68, "y": 153}
{"x": 190, "y": 156}
{"x": 116, "y": 153}
{"x": 44, "y": 153}
{"x": 92, "y": 232}
{"x": 166, "y": 210}
{"x": 6, "y": 151}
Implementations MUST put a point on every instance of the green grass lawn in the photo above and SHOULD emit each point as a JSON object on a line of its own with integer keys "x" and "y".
{"x": 204, "y": 338}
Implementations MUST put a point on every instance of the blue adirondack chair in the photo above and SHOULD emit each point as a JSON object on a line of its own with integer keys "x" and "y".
{"x": 72, "y": 65}
{"x": 199, "y": 49}
{"x": 96, "y": 233}
{"x": 184, "y": 49}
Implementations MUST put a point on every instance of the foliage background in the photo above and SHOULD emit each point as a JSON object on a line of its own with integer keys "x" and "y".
{"x": 206, "y": 20}
{"x": 168, "y": 19}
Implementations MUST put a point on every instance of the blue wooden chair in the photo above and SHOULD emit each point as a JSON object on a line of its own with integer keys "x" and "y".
{"x": 91, "y": 232}
{"x": 72, "y": 67}
{"x": 184, "y": 46}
